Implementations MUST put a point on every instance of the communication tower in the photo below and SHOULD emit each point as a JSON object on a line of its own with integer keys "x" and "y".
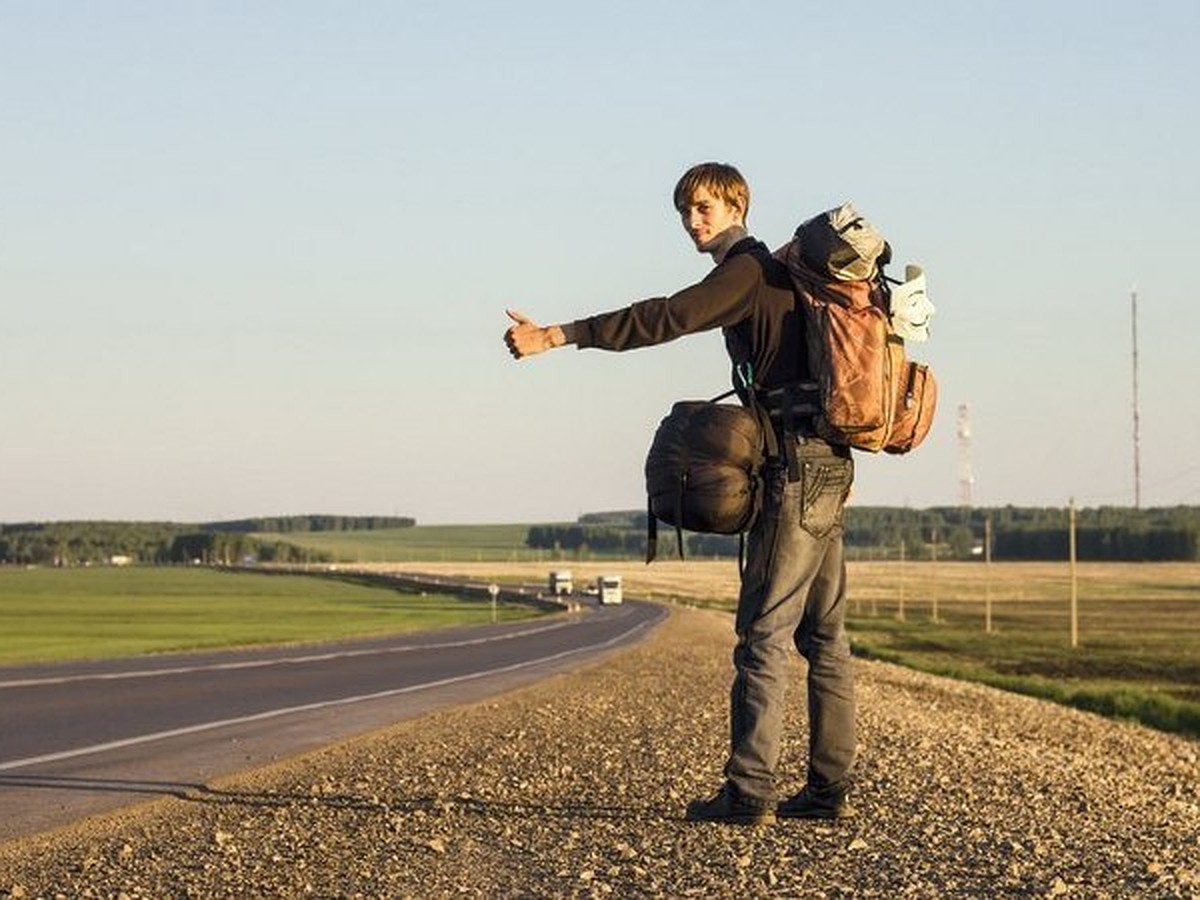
{"x": 966, "y": 476}
{"x": 1137, "y": 431}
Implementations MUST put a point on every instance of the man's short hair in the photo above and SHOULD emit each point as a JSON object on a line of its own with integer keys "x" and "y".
{"x": 720, "y": 179}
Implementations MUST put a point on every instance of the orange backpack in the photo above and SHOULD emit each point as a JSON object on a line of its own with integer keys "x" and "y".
{"x": 870, "y": 395}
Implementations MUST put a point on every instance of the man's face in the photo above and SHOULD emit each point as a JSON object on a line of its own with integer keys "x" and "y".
{"x": 706, "y": 216}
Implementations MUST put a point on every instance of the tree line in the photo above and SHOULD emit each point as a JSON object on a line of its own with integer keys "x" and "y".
{"x": 1018, "y": 533}
{"x": 285, "y": 524}
{"x": 86, "y": 543}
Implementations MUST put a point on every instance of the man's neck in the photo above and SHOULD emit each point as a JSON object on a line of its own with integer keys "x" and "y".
{"x": 719, "y": 246}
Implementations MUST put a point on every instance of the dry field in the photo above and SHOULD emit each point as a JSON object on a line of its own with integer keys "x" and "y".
{"x": 714, "y": 582}
{"x": 702, "y": 582}
{"x": 1138, "y": 625}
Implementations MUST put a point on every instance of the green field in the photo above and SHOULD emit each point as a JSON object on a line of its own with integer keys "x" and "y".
{"x": 58, "y": 614}
{"x": 1139, "y": 624}
{"x": 422, "y": 543}
{"x": 1138, "y": 631}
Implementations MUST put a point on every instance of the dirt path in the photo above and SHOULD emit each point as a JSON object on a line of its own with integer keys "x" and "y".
{"x": 576, "y": 787}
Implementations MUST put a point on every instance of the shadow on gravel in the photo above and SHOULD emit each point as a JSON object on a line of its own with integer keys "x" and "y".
{"x": 500, "y": 809}
{"x": 200, "y": 793}
{"x": 118, "y": 786}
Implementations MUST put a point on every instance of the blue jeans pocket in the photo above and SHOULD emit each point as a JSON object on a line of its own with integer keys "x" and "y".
{"x": 826, "y": 485}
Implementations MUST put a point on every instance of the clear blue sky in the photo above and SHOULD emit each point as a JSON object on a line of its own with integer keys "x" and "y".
{"x": 254, "y": 257}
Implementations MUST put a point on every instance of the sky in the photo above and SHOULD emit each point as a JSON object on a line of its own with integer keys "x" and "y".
{"x": 255, "y": 257}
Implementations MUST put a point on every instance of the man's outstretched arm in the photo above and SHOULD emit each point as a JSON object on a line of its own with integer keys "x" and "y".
{"x": 525, "y": 337}
{"x": 722, "y": 298}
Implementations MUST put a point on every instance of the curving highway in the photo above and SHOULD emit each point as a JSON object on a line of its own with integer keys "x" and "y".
{"x": 79, "y": 738}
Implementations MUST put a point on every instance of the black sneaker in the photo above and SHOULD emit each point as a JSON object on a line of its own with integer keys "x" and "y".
{"x": 728, "y": 806}
{"x": 810, "y": 805}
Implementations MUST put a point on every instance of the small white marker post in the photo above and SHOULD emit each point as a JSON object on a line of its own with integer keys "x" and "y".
{"x": 493, "y": 592}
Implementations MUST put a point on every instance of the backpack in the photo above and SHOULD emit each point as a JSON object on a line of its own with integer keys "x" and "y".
{"x": 704, "y": 466}
{"x": 703, "y": 470}
{"x": 869, "y": 395}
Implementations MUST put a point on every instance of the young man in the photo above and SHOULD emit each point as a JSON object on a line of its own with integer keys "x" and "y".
{"x": 794, "y": 586}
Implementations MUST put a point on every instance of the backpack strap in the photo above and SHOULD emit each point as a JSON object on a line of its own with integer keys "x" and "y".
{"x": 652, "y": 525}
{"x": 651, "y": 533}
{"x": 652, "y": 520}
{"x": 748, "y": 394}
{"x": 679, "y": 512}
{"x": 789, "y": 434}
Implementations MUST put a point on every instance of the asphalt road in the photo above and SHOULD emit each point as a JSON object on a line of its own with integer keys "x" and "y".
{"x": 77, "y": 739}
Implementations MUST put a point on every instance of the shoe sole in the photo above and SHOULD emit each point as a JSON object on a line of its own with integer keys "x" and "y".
{"x": 763, "y": 816}
{"x": 735, "y": 820}
{"x": 832, "y": 815}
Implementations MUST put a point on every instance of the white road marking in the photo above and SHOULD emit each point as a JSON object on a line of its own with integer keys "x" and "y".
{"x": 282, "y": 661}
{"x": 307, "y": 707}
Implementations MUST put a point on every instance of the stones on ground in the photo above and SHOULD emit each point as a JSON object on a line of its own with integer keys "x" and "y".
{"x": 576, "y": 787}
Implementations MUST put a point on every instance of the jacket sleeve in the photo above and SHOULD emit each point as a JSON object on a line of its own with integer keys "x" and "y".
{"x": 722, "y": 299}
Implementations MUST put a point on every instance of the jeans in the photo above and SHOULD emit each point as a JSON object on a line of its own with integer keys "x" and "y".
{"x": 794, "y": 592}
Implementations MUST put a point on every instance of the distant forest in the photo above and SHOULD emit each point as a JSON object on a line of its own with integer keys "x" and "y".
{"x": 880, "y": 532}
{"x": 78, "y": 543}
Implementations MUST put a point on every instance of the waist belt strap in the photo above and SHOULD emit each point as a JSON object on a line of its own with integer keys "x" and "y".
{"x": 788, "y": 405}
{"x": 789, "y": 431}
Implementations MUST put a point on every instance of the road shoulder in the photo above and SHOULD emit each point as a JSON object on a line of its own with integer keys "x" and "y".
{"x": 576, "y": 786}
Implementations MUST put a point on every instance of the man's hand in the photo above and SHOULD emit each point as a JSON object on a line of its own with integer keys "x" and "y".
{"x": 526, "y": 337}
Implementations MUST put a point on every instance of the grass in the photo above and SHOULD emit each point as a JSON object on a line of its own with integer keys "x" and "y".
{"x": 1138, "y": 649}
{"x": 1139, "y": 624}
{"x": 60, "y": 614}
{"x": 421, "y": 543}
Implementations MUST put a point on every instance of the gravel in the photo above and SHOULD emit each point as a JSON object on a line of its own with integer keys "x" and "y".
{"x": 575, "y": 787}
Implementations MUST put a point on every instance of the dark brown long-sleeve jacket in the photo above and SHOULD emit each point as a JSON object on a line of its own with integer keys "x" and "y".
{"x": 748, "y": 296}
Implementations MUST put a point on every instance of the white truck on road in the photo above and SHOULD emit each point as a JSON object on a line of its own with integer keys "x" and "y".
{"x": 560, "y": 583}
{"x": 608, "y": 589}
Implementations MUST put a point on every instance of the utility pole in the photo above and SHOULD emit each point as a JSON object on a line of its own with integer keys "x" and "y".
{"x": 1074, "y": 578}
{"x": 987, "y": 574}
{"x": 933, "y": 585}
{"x": 1137, "y": 437}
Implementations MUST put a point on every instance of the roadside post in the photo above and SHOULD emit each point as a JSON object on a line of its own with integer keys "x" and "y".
{"x": 1074, "y": 576}
{"x": 987, "y": 575}
{"x": 493, "y": 592}
{"x": 933, "y": 583}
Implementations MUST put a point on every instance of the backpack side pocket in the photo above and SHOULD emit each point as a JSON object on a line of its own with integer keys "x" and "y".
{"x": 916, "y": 404}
